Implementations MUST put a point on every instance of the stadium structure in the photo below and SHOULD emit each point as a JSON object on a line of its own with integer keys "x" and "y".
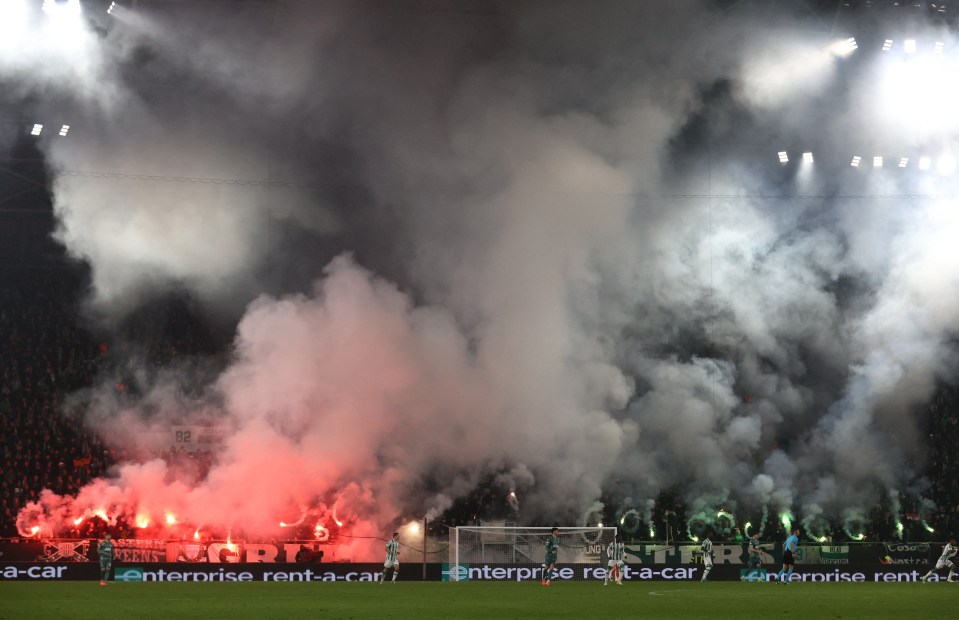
{"x": 280, "y": 278}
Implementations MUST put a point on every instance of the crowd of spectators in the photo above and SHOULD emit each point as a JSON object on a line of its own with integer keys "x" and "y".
{"x": 46, "y": 355}
{"x": 943, "y": 464}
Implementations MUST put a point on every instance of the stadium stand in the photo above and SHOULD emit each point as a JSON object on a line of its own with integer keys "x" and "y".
{"x": 43, "y": 357}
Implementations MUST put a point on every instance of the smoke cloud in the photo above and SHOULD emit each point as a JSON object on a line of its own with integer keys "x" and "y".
{"x": 541, "y": 244}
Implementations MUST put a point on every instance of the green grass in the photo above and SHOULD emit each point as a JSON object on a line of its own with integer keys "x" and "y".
{"x": 291, "y": 601}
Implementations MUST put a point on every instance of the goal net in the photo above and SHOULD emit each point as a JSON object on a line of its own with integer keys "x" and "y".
{"x": 510, "y": 553}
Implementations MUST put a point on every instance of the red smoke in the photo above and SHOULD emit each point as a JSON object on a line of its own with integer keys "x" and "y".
{"x": 328, "y": 402}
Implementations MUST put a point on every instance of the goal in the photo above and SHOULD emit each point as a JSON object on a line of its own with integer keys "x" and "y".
{"x": 512, "y": 553}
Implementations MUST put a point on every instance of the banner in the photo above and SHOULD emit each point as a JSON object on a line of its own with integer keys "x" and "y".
{"x": 656, "y": 553}
{"x": 166, "y": 572}
{"x": 259, "y": 572}
{"x": 660, "y": 572}
{"x": 822, "y": 554}
{"x": 578, "y": 572}
{"x": 149, "y": 550}
{"x": 193, "y": 438}
{"x": 280, "y": 552}
{"x": 189, "y": 438}
{"x": 911, "y": 554}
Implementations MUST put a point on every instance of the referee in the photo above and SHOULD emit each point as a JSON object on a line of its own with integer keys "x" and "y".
{"x": 789, "y": 557}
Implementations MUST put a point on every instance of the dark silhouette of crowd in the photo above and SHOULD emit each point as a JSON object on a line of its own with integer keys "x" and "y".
{"x": 46, "y": 357}
{"x": 943, "y": 465}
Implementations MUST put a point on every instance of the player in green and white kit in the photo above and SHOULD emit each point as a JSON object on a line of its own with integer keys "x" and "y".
{"x": 945, "y": 561}
{"x": 616, "y": 561}
{"x": 552, "y": 550}
{"x": 105, "y": 551}
{"x": 755, "y": 557}
{"x": 707, "y": 549}
{"x": 392, "y": 557}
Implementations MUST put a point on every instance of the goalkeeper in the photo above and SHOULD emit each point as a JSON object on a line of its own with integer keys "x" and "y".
{"x": 105, "y": 551}
{"x": 552, "y": 549}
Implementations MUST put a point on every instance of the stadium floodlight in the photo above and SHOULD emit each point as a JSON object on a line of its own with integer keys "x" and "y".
{"x": 925, "y": 163}
{"x": 877, "y": 161}
{"x": 903, "y": 162}
{"x": 946, "y": 165}
{"x": 64, "y": 130}
{"x": 887, "y": 45}
{"x": 783, "y": 157}
{"x": 938, "y": 47}
{"x": 909, "y": 45}
{"x": 855, "y": 161}
{"x": 807, "y": 157}
{"x": 113, "y": 5}
{"x": 37, "y": 128}
{"x": 844, "y": 47}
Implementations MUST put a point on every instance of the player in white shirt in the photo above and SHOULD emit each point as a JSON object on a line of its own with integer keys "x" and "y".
{"x": 616, "y": 564}
{"x": 945, "y": 561}
{"x": 707, "y": 548}
{"x": 392, "y": 557}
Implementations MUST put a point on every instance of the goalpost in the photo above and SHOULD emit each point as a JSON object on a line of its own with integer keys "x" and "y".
{"x": 518, "y": 553}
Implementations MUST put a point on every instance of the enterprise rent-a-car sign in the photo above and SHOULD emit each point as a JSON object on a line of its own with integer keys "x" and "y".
{"x": 580, "y": 572}
{"x": 199, "y": 573}
{"x": 26, "y": 572}
{"x": 318, "y": 573}
{"x": 664, "y": 572}
{"x": 161, "y": 572}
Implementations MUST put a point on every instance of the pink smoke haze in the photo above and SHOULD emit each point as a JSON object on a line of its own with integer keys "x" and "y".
{"x": 339, "y": 402}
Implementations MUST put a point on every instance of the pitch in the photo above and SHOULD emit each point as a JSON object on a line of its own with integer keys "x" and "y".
{"x": 291, "y": 601}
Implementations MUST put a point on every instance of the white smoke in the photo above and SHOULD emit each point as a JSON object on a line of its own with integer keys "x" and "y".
{"x": 550, "y": 313}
